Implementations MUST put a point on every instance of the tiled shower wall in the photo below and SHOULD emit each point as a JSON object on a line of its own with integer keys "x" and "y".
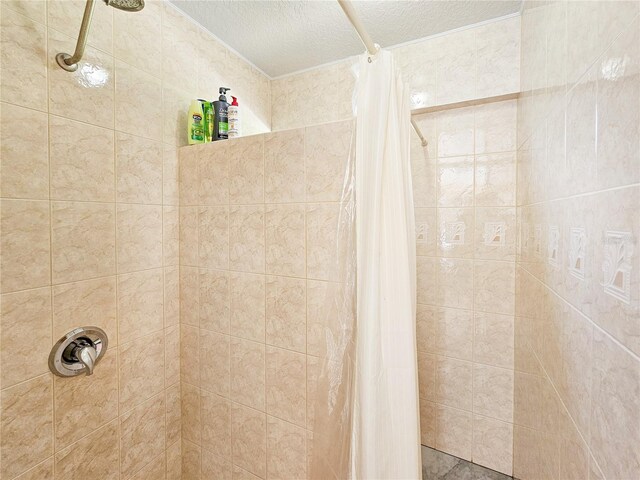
{"x": 89, "y": 231}
{"x": 476, "y": 62}
{"x": 464, "y": 192}
{"x": 577, "y": 383}
{"x": 258, "y": 218}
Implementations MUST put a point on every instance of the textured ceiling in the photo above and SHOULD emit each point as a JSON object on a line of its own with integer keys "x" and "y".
{"x": 282, "y": 37}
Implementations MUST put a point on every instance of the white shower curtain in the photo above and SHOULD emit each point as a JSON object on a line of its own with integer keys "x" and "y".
{"x": 386, "y": 432}
{"x": 366, "y": 404}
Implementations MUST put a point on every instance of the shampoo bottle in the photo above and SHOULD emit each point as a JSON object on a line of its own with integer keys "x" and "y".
{"x": 221, "y": 113}
{"x": 207, "y": 109}
{"x": 195, "y": 123}
{"x": 234, "y": 118}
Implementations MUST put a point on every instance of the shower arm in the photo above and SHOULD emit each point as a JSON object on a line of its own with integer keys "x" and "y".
{"x": 68, "y": 62}
{"x": 372, "y": 49}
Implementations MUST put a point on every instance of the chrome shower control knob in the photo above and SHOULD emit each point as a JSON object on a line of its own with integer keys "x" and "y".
{"x": 78, "y": 352}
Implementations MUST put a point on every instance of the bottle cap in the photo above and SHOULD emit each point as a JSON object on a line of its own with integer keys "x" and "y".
{"x": 235, "y": 101}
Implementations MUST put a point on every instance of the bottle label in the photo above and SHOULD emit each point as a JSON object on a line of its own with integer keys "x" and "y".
{"x": 223, "y": 127}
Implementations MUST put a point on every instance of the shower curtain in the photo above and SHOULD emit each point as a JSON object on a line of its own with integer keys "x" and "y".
{"x": 367, "y": 411}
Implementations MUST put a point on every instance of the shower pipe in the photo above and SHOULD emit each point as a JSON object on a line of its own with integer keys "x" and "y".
{"x": 372, "y": 48}
{"x": 70, "y": 62}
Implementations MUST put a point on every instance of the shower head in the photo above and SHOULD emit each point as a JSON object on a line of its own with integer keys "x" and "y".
{"x": 126, "y": 5}
{"x": 70, "y": 62}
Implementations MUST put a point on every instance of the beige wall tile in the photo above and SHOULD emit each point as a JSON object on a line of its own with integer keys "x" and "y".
{"x": 321, "y": 223}
{"x": 493, "y": 392}
{"x": 156, "y": 469}
{"x": 24, "y": 59}
{"x": 173, "y": 406}
{"x": 456, "y": 67}
{"x": 248, "y": 373}
{"x": 36, "y": 10}
{"x": 215, "y": 362}
{"x": 454, "y": 433}
{"x": 326, "y": 161}
{"x": 170, "y": 175}
{"x": 26, "y": 425}
{"x": 498, "y": 57}
{"x": 95, "y": 454}
{"x": 247, "y": 306}
{"x": 246, "y": 170}
{"x": 426, "y": 317}
{"x": 171, "y": 296}
{"x": 455, "y": 132}
{"x": 285, "y": 239}
{"x": 213, "y": 174}
{"x": 455, "y": 181}
{"x": 88, "y": 302}
{"x": 140, "y": 304}
{"x": 143, "y": 30}
{"x": 492, "y": 444}
{"x": 214, "y": 300}
{"x": 27, "y": 312}
{"x": 172, "y": 356}
{"x": 494, "y": 287}
{"x": 495, "y": 127}
{"x": 44, "y": 471}
{"x": 454, "y": 333}
{"x": 85, "y": 401}
{"x": 286, "y": 324}
{"x": 25, "y": 245}
{"x": 286, "y": 385}
{"x": 142, "y": 435}
{"x": 141, "y": 363}
{"x": 192, "y": 421}
{"x": 191, "y": 460}
{"x": 138, "y": 237}
{"x": 170, "y": 235}
{"x": 313, "y": 370}
{"x": 495, "y": 179}
{"x": 83, "y": 240}
{"x": 454, "y": 383}
{"x": 216, "y": 467}
{"x": 214, "y": 237}
{"x": 189, "y": 227}
{"x": 249, "y": 439}
{"x": 493, "y": 339}
{"x": 284, "y": 171}
{"x": 317, "y": 301}
{"x": 178, "y": 34}
{"x": 495, "y": 233}
{"x": 24, "y": 175}
{"x": 82, "y": 166}
{"x": 286, "y": 450}
{"x": 247, "y": 238}
{"x": 138, "y": 102}
{"x": 216, "y": 425}
{"x": 427, "y": 376}
{"x": 189, "y": 355}
{"x": 615, "y": 409}
{"x": 455, "y": 283}
{"x": 86, "y": 98}
{"x": 426, "y": 278}
{"x": 428, "y": 423}
{"x": 138, "y": 169}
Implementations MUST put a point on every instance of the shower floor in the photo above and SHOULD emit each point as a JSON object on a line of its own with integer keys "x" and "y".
{"x": 438, "y": 465}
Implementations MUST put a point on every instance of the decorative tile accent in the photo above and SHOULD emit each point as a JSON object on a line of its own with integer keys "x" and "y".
{"x": 553, "y": 248}
{"x": 454, "y": 233}
{"x": 618, "y": 250}
{"x": 577, "y": 252}
{"x": 494, "y": 234}
{"x": 422, "y": 233}
{"x": 537, "y": 240}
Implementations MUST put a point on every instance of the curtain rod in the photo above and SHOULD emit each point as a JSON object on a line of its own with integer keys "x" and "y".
{"x": 371, "y": 47}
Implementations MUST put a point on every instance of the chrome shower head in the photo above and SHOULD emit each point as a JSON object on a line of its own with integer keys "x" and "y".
{"x": 126, "y": 5}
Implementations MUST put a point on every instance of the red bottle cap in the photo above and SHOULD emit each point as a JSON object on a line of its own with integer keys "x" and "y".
{"x": 235, "y": 101}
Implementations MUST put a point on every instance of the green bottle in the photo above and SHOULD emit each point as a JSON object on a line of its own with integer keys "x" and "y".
{"x": 195, "y": 123}
{"x": 208, "y": 120}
